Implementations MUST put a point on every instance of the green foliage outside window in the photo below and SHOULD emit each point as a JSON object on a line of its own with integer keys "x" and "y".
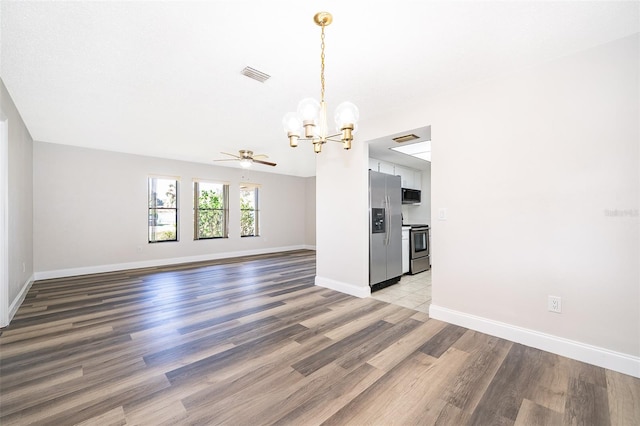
{"x": 210, "y": 215}
{"x": 211, "y": 212}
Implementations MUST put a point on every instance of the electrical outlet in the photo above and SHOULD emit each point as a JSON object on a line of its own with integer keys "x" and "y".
{"x": 554, "y": 304}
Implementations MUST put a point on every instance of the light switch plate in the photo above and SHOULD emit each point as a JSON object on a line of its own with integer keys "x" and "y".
{"x": 442, "y": 213}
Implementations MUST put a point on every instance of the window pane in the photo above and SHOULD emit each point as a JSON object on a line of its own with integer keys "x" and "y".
{"x": 162, "y": 225}
{"x": 162, "y": 192}
{"x": 163, "y": 211}
{"x": 210, "y": 213}
{"x": 247, "y": 222}
{"x": 249, "y": 218}
{"x": 211, "y": 224}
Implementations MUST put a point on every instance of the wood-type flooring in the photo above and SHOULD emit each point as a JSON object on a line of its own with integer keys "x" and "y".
{"x": 252, "y": 341}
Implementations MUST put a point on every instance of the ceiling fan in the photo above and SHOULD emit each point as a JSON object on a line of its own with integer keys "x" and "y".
{"x": 246, "y": 157}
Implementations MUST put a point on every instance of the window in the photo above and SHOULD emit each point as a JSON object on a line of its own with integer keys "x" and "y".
{"x": 163, "y": 209}
{"x": 249, "y": 211}
{"x": 211, "y": 214}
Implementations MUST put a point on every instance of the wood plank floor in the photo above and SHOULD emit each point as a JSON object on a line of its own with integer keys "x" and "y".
{"x": 251, "y": 341}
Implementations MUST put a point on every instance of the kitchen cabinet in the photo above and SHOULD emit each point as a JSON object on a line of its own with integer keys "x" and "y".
{"x": 405, "y": 249}
{"x": 388, "y": 168}
{"x": 406, "y": 176}
{"x": 382, "y": 166}
{"x": 410, "y": 178}
{"x": 417, "y": 180}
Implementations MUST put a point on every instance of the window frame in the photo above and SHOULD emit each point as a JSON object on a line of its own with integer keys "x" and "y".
{"x": 256, "y": 209}
{"x": 151, "y": 207}
{"x": 197, "y": 209}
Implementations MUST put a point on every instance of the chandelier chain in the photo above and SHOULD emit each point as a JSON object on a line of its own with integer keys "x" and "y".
{"x": 322, "y": 64}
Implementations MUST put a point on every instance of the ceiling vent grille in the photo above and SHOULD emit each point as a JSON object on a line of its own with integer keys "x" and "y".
{"x": 406, "y": 138}
{"x": 255, "y": 74}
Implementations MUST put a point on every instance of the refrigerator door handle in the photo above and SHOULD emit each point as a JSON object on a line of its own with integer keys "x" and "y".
{"x": 387, "y": 200}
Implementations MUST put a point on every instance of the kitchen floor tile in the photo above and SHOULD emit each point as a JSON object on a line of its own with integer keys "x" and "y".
{"x": 415, "y": 286}
{"x": 407, "y": 303}
{"x": 384, "y": 297}
{"x": 418, "y": 297}
{"x": 413, "y": 292}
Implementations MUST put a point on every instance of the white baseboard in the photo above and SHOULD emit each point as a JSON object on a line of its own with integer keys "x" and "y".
{"x": 308, "y": 247}
{"x": 71, "y": 272}
{"x": 13, "y": 308}
{"x": 601, "y": 357}
{"x": 354, "y": 290}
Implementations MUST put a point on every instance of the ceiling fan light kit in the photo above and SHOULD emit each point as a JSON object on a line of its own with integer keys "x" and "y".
{"x": 311, "y": 115}
{"x": 246, "y": 158}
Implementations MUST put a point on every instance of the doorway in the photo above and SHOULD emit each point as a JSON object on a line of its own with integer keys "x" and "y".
{"x": 413, "y": 291}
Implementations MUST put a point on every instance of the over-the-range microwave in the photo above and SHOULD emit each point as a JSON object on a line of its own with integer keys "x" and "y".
{"x": 411, "y": 196}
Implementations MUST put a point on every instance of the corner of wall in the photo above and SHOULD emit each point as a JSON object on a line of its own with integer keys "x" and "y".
{"x": 343, "y": 287}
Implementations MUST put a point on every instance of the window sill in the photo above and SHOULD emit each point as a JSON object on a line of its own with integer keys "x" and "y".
{"x": 210, "y": 238}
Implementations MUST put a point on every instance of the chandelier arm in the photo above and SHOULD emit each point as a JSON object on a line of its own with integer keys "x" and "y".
{"x": 332, "y": 137}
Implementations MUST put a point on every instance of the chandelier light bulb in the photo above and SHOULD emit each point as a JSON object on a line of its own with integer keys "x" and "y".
{"x": 308, "y": 109}
{"x": 346, "y": 114}
{"x": 291, "y": 123}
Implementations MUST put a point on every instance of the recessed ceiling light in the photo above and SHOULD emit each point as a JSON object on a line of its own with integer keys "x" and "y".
{"x": 421, "y": 150}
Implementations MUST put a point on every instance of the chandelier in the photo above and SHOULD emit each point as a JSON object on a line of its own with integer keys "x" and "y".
{"x": 312, "y": 116}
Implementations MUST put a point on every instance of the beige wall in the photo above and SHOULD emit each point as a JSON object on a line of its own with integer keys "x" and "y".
{"x": 19, "y": 207}
{"x": 91, "y": 210}
{"x": 529, "y": 168}
{"x": 310, "y": 219}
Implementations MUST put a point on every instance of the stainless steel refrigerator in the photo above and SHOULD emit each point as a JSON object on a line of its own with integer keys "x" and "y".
{"x": 385, "y": 230}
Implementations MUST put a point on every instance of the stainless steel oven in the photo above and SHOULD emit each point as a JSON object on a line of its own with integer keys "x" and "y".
{"x": 419, "y": 254}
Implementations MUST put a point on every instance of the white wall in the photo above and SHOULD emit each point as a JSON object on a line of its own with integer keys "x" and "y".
{"x": 530, "y": 169}
{"x": 342, "y": 233}
{"x": 19, "y": 209}
{"x": 90, "y": 211}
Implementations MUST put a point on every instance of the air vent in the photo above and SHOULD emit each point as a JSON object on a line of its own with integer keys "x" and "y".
{"x": 255, "y": 74}
{"x": 406, "y": 138}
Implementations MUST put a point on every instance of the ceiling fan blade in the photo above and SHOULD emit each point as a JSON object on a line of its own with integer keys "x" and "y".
{"x": 266, "y": 163}
{"x": 227, "y": 159}
{"x": 261, "y": 156}
{"x": 232, "y": 155}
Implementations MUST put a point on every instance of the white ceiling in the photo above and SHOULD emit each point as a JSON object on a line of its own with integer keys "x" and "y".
{"x": 163, "y": 78}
